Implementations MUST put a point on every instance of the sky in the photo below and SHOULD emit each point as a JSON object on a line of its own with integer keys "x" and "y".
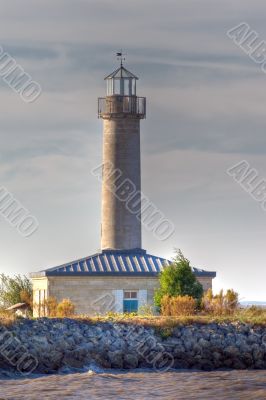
{"x": 205, "y": 113}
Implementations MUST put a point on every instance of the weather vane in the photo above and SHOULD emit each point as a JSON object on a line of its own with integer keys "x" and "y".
{"x": 121, "y": 56}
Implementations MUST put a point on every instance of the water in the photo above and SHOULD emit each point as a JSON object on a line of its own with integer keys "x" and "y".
{"x": 140, "y": 385}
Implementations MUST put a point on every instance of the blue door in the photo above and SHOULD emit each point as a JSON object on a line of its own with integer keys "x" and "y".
{"x": 130, "y": 303}
{"x": 130, "y": 306}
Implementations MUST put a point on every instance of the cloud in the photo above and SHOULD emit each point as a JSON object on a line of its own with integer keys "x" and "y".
{"x": 205, "y": 112}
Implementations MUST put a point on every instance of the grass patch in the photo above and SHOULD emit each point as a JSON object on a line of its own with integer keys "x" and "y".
{"x": 252, "y": 315}
{"x": 6, "y": 318}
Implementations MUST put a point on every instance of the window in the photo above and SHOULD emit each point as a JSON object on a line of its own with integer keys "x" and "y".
{"x": 116, "y": 86}
{"x": 134, "y": 82}
{"x": 130, "y": 303}
{"x": 130, "y": 295}
{"x": 127, "y": 87}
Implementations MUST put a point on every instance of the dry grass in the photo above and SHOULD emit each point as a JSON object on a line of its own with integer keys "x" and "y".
{"x": 6, "y": 318}
{"x": 252, "y": 316}
{"x": 177, "y": 306}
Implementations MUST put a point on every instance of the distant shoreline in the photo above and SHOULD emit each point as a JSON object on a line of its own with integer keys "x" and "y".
{"x": 253, "y": 303}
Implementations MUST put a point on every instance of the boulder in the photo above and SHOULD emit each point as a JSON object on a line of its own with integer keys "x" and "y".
{"x": 116, "y": 358}
{"x": 130, "y": 361}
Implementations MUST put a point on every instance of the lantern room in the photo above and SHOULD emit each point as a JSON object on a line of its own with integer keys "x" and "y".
{"x": 121, "y": 82}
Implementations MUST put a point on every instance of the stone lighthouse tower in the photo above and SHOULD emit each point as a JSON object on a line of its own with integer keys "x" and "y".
{"x": 121, "y": 111}
{"x": 122, "y": 277}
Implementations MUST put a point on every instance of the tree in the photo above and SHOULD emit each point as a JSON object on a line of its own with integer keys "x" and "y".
{"x": 15, "y": 290}
{"x": 178, "y": 279}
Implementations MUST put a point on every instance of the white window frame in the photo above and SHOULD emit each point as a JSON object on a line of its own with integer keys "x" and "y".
{"x": 131, "y": 291}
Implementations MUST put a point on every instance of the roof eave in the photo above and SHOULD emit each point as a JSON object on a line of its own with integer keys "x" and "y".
{"x": 206, "y": 274}
{"x": 47, "y": 273}
{"x": 39, "y": 274}
{"x": 105, "y": 274}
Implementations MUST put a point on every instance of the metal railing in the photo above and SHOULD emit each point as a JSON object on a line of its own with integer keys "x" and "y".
{"x": 114, "y": 105}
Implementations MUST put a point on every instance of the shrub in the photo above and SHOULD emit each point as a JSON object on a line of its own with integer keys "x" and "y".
{"x": 15, "y": 290}
{"x": 4, "y": 314}
{"x": 26, "y": 297}
{"x": 50, "y": 307}
{"x": 178, "y": 306}
{"x": 165, "y": 333}
{"x": 255, "y": 311}
{"x": 220, "y": 304}
{"x": 231, "y": 301}
{"x": 147, "y": 310}
{"x": 178, "y": 279}
{"x": 65, "y": 309}
{"x": 166, "y": 305}
{"x": 207, "y": 301}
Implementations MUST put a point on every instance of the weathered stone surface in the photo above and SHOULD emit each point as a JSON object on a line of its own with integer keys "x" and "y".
{"x": 116, "y": 358}
{"x": 59, "y": 344}
{"x": 131, "y": 361}
{"x": 121, "y": 229}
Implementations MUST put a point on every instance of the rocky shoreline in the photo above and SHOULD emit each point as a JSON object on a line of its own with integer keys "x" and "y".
{"x": 52, "y": 345}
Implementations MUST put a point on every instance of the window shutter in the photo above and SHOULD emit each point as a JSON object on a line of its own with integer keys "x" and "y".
{"x": 119, "y": 296}
{"x": 142, "y": 298}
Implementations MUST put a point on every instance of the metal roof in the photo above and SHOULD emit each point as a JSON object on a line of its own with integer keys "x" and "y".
{"x": 121, "y": 72}
{"x": 115, "y": 263}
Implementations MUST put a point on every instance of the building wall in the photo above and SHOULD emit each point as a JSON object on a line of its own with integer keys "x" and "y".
{"x": 96, "y": 295}
{"x": 206, "y": 282}
{"x": 92, "y": 295}
{"x": 40, "y": 294}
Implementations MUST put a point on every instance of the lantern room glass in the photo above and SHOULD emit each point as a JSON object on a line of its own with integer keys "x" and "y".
{"x": 121, "y": 86}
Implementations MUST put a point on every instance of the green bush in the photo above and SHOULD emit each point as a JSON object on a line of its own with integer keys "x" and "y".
{"x": 178, "y": 279}
{"x": 15, "y": 290}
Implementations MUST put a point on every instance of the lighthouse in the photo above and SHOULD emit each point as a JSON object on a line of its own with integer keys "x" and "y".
{"x": 122, "y": 276}
{"x": 121, "y": 111}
